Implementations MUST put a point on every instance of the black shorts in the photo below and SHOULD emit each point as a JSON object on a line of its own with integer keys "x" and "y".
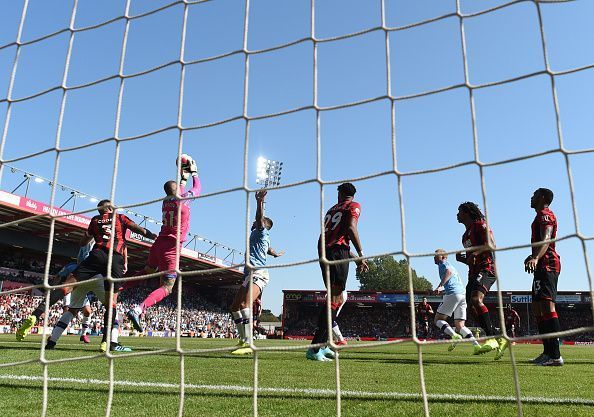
{"x": 544, "y": 285}
{"x": 338, "y": 272}
{"x": 96, "y": 264}
{"x": 482, "y": 282}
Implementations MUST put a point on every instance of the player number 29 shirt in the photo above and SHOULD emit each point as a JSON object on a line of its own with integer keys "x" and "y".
{"x": 336, "y": 223}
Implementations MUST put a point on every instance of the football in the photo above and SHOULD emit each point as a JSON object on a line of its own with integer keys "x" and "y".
{"x": 186, "y": 161}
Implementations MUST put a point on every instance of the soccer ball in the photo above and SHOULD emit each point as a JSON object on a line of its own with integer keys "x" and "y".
{"x": 186, "y": 161}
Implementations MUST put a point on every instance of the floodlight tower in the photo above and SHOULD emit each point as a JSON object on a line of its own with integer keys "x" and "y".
{"x": 268, "y": 172}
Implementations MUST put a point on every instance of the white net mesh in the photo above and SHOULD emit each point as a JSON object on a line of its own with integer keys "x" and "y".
{"x": 122, "y": 77}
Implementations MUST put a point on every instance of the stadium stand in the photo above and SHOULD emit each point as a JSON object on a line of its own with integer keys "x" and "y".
{"x": 386, "y": 315}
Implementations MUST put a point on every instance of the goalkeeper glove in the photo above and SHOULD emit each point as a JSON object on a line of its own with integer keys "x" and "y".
{"x": 193, "y": 168}
{"x": 184, "y": 175}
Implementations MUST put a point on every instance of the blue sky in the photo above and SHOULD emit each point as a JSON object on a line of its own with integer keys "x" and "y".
{"x": 513, "y": 119}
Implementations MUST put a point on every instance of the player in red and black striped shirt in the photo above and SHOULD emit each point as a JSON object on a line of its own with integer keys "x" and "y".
{"x": 101, "y": 228}
{"x": 481, "y": 271}
{"x": 340, "y": 228}
{"x": 545, "y": 263}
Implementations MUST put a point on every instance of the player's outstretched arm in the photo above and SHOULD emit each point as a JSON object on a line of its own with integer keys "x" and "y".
{"x": 141, "y": 230}
{"x": 274, "y": 253}
{"x": 260, "y": 199}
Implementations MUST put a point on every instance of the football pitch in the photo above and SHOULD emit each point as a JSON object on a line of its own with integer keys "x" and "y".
{"x": 375, "y": 381}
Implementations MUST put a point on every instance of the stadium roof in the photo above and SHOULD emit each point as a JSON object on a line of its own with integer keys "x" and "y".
{"x": 69, "y": 228}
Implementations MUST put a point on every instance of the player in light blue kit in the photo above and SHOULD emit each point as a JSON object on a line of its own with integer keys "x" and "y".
{"x": 453, "y": 304}
{"x": 241, "y": 308}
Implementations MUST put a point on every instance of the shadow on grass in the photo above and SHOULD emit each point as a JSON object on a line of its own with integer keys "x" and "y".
{"x": 25, "y": 347}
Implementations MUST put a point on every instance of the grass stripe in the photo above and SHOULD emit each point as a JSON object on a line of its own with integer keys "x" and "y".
{"x": 306, "y": 391}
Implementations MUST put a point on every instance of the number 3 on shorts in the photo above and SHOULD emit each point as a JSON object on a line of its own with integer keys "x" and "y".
{"x": 536, "y": 286}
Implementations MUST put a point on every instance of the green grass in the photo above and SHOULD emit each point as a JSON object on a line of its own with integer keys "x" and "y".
{"x": 378, "y": 369}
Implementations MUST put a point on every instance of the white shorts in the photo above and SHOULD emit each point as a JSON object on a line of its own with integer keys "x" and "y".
{"x": 260, "y": 277}
{"x": 66, "y": 301}
{"x": 79, "y": 294}
{"x": 453, "y": 305}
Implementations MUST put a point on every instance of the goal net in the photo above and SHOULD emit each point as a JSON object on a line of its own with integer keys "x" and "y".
{"x": 153, "y": 56}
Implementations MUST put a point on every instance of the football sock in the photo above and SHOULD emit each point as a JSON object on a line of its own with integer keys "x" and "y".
{"x": 445, "y": 327}
{"x": 246, "y": 315}
{"x": 61, "y": 325}
{"x": 115, "y": 331}
{"x": 153, "y": 298}
{"x": 542, "y": 331}
{"x": 85, "y": 324}
{"x": 551, "y": 325}
{"x": 106, "y": 324}
{"x": 336, "y": 333}
{"x": 55, "y": 296}
{"x": 467, "y": 334}
{"x": 321, "y": 334}
{"x": 484, "y": 320}
{"x": 238, "y": 320}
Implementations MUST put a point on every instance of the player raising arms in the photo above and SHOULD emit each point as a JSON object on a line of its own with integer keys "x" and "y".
{"x": 241, "y": 308}
{"x": 453, "y": 304}
{"x": 481, "y": 271}
{"x": 163, "y": 253}
{"x": 340, "y": 228}
{"x": 545, "y": 263}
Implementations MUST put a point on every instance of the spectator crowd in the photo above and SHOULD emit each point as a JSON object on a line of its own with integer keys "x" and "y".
{"x": 199, "y": 317}
{"x": 382, "y": 322}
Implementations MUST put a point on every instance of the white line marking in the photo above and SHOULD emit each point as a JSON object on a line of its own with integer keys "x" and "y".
{"x": 307, "y": 391}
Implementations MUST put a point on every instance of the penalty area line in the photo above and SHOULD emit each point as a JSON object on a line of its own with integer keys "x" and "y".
{"x": 306, "y": 391}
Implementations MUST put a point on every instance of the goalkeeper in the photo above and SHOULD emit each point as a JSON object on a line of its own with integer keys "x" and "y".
{"x": 163, "y": 254}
